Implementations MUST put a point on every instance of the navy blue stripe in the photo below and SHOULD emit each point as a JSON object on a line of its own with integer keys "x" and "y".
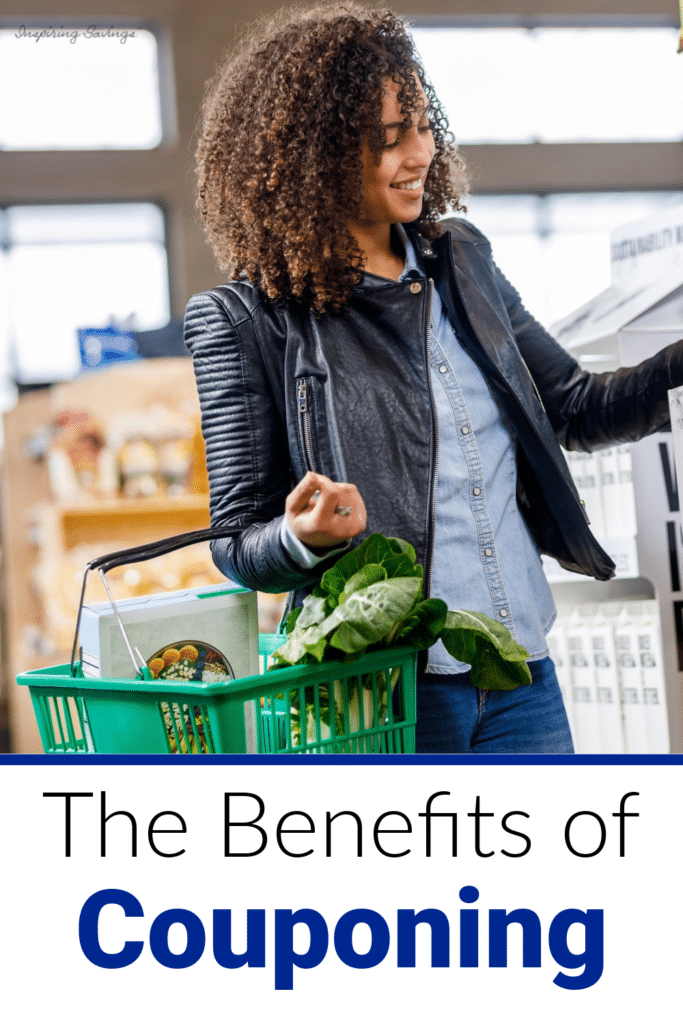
{"x": 321, "y": 760}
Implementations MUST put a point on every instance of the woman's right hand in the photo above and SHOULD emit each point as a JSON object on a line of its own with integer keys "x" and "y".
{"x": 315, "y": 521}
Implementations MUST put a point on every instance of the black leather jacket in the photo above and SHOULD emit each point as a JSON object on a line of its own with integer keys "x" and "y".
{"x": 283, "y": 390}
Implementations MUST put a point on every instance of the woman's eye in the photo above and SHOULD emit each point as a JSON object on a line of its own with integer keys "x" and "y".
{"x": 394, "y": 140}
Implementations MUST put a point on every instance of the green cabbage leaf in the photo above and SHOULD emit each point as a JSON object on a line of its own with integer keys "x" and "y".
{"x": 371, "y": 599}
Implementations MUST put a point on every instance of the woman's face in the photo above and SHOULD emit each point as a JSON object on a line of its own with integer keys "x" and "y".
{"x": 393, "y": 189}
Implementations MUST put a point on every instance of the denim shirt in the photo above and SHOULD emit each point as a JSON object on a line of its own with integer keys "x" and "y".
{"x": 484, "y": 556}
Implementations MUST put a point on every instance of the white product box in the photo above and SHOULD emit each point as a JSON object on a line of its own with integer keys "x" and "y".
{"x": 214, "y": 626}
{"x": 587, "y": 737}
{"x": 607, "y": 683}
{"x": 557, "y": 643}
{"x": 585, "y": 469}
{"x": 650, "y": 655}
{"x": 627, "y": 497}
{"x": 631, "y": 682}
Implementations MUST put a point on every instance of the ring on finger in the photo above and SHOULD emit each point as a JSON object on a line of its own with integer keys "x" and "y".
{"x": 343, "y": 510}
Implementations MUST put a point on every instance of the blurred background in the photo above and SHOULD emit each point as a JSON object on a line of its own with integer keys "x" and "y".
{"x": 571, "y": 123}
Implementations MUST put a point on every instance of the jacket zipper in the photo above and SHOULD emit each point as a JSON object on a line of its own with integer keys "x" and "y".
{"x": 435, "y": 419}
{"x": 577, "y": 501}
{"x": 540, "y": 400}
{"x": 304, "y": 415}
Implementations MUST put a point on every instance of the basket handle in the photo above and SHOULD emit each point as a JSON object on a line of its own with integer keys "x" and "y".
{"x": 141, "y": 553}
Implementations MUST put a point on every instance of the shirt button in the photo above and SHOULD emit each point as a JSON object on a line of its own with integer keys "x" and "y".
{"x": 488, "y": 552}
{"x": 416, "y": 287}
{"x": 443, "y": 368}
{"x": 476, "y": 491}
{"x": 503, "y": 613}
{"x": 464, "y": 430}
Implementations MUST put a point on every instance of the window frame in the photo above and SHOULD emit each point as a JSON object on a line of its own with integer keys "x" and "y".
{"x": 540, "y": 21}
{"x": 6, "y": 243}
{"x": 166, "y": 78}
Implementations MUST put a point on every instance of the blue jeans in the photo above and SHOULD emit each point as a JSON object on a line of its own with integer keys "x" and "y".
{"x": 454, "y": 717}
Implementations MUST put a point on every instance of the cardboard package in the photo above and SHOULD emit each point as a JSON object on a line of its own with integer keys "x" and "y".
{"x": 208, "y": 633}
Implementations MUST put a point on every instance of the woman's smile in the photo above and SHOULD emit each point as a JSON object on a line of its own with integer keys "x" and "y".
{"x": 410, "y": 186}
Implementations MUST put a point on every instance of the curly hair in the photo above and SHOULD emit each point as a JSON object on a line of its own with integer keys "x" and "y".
{"x": 279, "y": 154}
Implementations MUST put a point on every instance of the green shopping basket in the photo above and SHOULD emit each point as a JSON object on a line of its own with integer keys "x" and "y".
{"x": 365, "y": 706}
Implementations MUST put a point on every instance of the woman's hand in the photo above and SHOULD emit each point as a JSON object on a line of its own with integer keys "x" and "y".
{"x": 317, "y": 513}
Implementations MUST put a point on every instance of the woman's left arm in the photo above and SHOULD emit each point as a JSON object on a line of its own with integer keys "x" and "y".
{"x": 587, "y": 410}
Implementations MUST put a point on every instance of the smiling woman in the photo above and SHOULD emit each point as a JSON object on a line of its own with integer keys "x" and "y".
{"x": 393, "y": 180}
{"x": 304, "y": 101}
{"x": 368, "y": 369}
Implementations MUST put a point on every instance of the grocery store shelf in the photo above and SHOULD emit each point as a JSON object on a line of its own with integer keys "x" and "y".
{"x": 135, "y": 506}
{"x": 128, "y": 521}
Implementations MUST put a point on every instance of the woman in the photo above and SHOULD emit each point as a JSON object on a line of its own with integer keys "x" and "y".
{"x": 369, "y": 368}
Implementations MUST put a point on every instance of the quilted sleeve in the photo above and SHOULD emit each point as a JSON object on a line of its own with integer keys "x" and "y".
{"x": 246, "y": 449}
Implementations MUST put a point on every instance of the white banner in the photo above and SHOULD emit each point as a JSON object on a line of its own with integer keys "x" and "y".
{"x": 525, "y": 891}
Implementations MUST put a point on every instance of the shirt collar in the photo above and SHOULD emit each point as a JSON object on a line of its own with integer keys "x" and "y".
{"x": 413, "y": 266}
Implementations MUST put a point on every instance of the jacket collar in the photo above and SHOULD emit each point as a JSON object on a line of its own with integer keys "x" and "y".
{"x": 425, "y": 249}
{"x": 424, "y": 246}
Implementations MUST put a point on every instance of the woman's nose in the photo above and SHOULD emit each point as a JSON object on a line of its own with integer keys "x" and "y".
{"x": 420, "y": 152}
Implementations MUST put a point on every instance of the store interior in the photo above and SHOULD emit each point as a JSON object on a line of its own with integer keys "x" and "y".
{"x": 103, "y": 247}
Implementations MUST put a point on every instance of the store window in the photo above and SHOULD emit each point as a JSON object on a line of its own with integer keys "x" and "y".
{"x": 519, "y": 81}
{"x": 555, "y": 248}
{"x": 79, "y": 87}
{"x": 556, "y": 83}
{"x": 70, "y": 266}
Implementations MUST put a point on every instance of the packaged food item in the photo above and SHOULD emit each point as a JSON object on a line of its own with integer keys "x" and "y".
{"x": 222, "y": 620}
{"x": 155, "y": 450}
{"x": 138, "y": 465}
{"x": 175, "y": 464}
{"x": 78, "y": 460}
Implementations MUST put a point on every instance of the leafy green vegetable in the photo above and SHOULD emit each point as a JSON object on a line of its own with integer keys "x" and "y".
{"x": 369, "y": 615}
{"x": 372, "y": 599}
{"x": 313, "y": 611}
{"x": 424, "y": 625}
{"x": 366, "y": 576}
{"x": 498, "y": 663}
{"x": 396, "y": 557}
{"x": 365, "y": 618}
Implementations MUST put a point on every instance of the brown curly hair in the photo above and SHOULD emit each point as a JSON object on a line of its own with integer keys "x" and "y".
{"x": 279, "y": 153}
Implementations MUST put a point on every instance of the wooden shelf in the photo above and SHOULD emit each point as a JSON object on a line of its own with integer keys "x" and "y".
{"x": 126, "y": 522}
{"x": 128, "y": 506}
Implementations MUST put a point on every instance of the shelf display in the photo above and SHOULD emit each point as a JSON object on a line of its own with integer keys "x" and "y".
{"x": 609, "y": 662}
{"x": 638, "y": 315}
